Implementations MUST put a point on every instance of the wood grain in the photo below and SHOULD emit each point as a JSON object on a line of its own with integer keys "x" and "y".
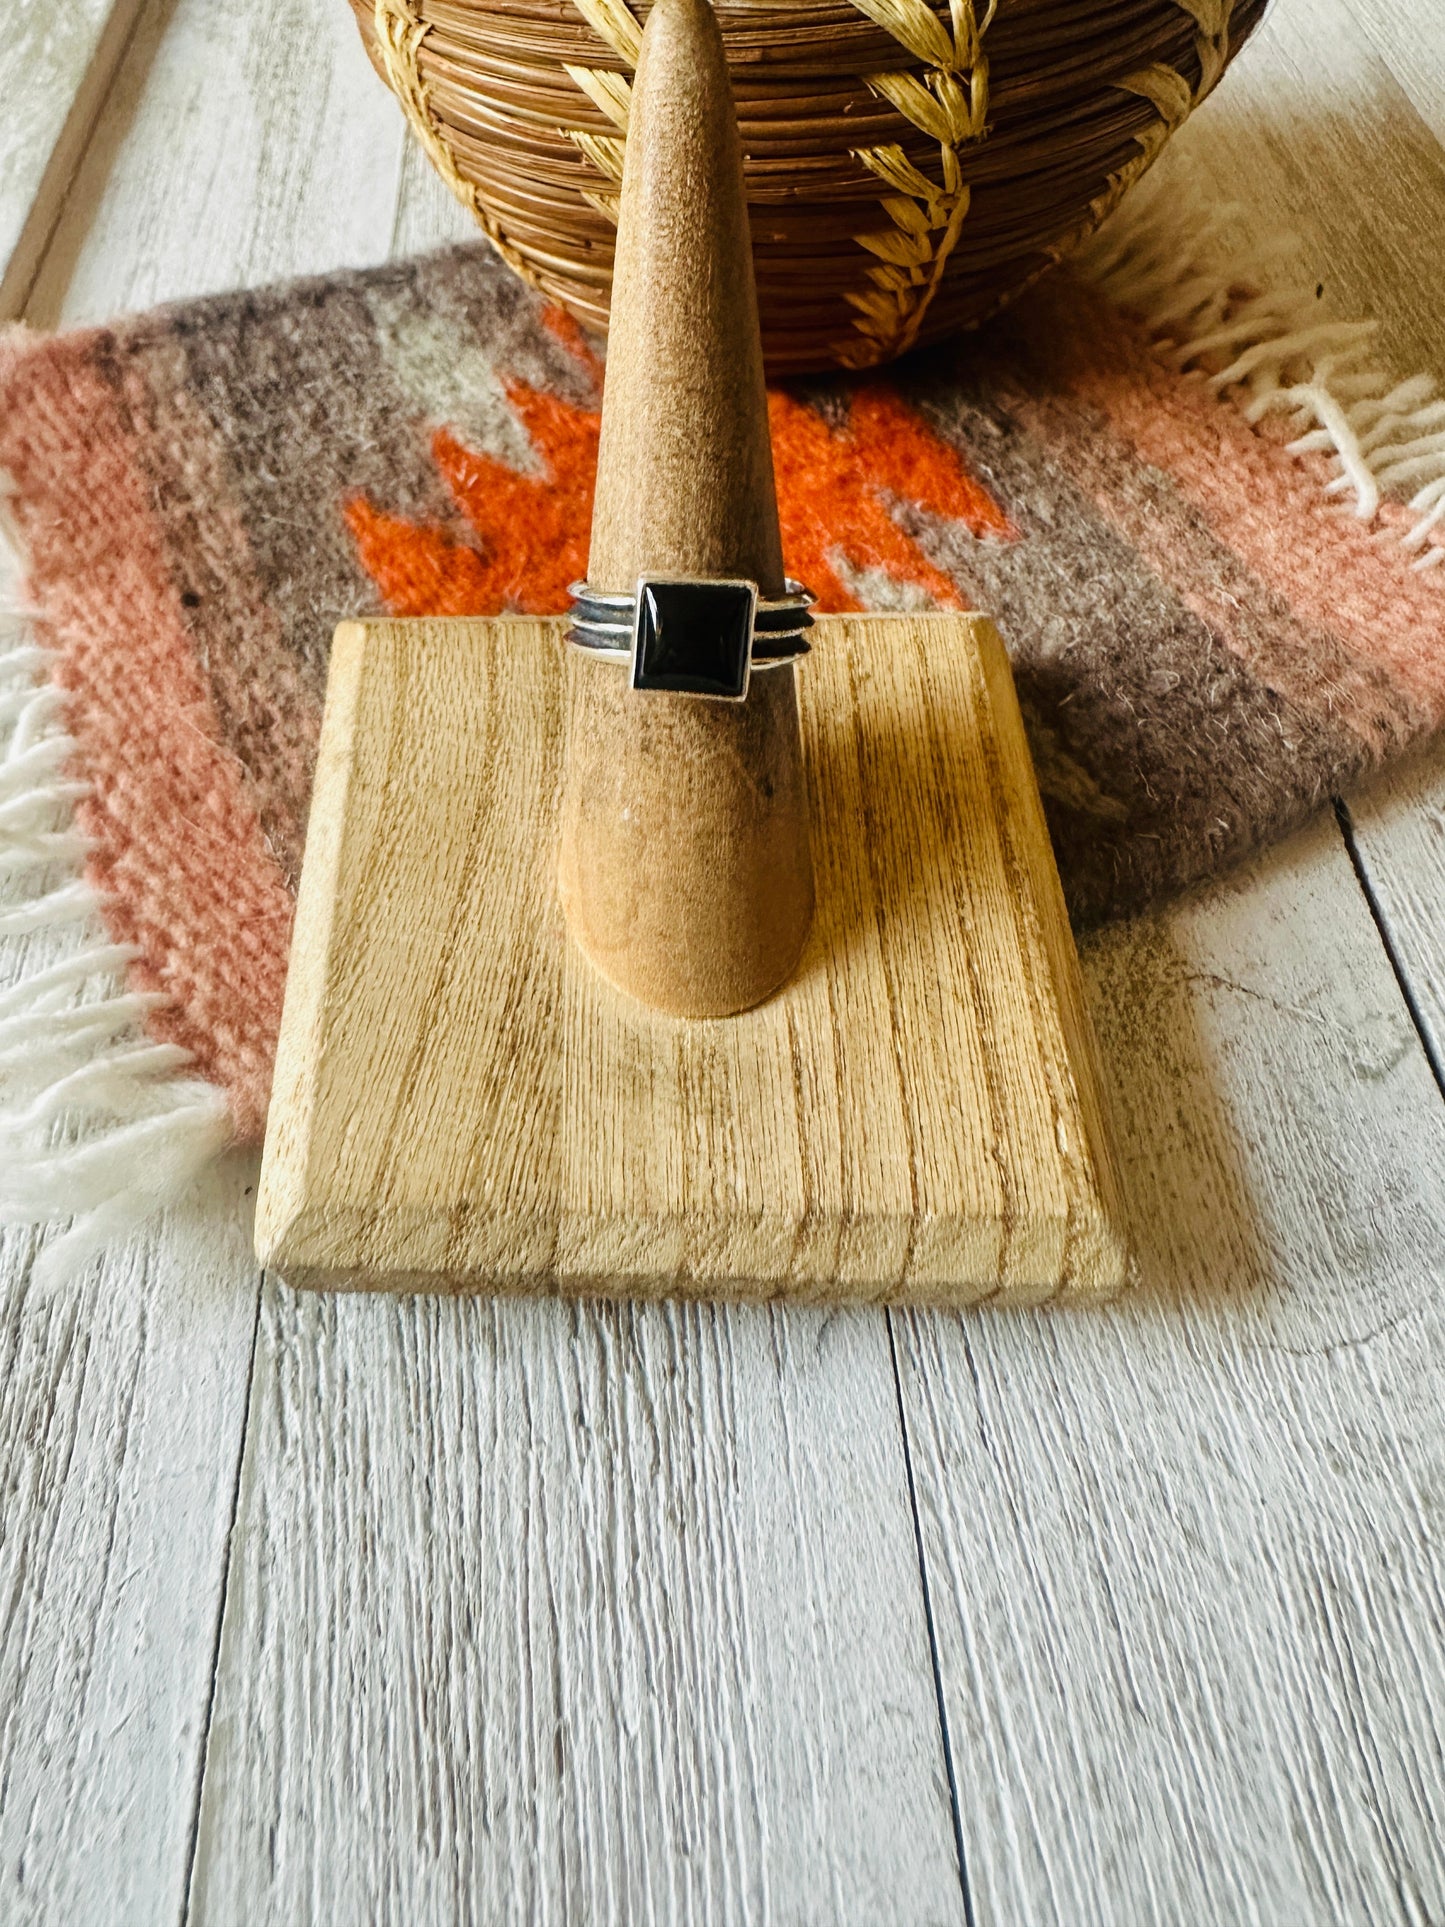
{"x": 243, "y": 140}
{"x": 562, "y": 1612}
{"x": 58, "y": 67}
{"x": 1312, "y": 133}
{"x": 1185, "y": 1572}
{"x": 151, "y": 219}
{"x": 1397, "y": 828}
{"x": 122, "y": 1405}
{"x": 1409, "y": 56}
{"x": 123, "y": 1397}
{"x": 428, "y": 214}
{"x": 1391, "y": 190}
{"x": 683, "y": 855}
{"x": 461, "y": 1099}
{"x": 1184, "y": 1558}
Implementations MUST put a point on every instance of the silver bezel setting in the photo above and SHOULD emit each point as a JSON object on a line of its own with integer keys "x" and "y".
{"x": 610, "y": 626}
{"x": 645, "y": 582}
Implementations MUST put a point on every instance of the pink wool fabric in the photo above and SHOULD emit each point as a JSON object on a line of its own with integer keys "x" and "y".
{"x": 1206, "y": 645}
{"x": 179, "y": 859}
{"x": 1270, "y": 508}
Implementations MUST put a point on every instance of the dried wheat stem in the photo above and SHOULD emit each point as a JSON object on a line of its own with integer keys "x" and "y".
{"x": 950, "y": 103}
{"x": 399, "y": 36}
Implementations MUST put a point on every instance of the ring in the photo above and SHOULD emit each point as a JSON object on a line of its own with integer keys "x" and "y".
{"x": 692, "y": 635}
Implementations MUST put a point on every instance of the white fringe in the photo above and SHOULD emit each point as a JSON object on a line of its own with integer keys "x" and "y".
{"x": 99, "y": 1126}
{"x": 1240, "y": 319}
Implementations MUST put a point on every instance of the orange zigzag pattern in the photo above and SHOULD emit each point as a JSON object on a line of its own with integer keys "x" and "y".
{"x": 834, "y": 488}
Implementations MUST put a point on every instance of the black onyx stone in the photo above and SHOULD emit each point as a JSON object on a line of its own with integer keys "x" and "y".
{"x": 694, "y": 637}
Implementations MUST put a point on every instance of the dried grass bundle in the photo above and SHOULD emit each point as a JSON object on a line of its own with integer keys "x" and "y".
{"x": 910, "y": 166}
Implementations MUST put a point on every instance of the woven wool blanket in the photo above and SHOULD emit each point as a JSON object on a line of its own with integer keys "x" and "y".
{"x": 1181, "y": 495}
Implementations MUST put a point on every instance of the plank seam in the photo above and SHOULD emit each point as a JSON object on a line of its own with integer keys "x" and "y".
{"x": 204, "y": 1751}
{"x": 1387, "y": 941}
{"x": 67, "y": 158}
{"x": 958, "y": 1843}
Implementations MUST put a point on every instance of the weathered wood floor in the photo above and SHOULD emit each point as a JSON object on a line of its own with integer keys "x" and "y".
{"x": 421, "y": 1612}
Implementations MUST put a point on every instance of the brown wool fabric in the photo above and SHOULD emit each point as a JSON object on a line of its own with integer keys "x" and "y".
{"x": 1205, "y": 646}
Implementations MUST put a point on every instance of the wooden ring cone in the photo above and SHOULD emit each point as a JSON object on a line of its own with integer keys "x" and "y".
{"x": 685, "y": 870}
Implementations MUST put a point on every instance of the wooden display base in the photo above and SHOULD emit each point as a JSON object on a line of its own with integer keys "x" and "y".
{"x": 462, "y": 1102}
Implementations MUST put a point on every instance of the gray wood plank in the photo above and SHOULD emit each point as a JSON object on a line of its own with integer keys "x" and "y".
{"x": 252, "y": 142}
{"x": 58, "y": 67}
{"x": 1398, "y": 821}
{"x": 1184, "y": 1557}
{"x": 576, "y": 1613}
{"x": 123, "y": 1396}
{"x": 122, "y": 1404}
{"x": 587, "y": 1614}
{"x": 122, "y": 1401}
{"x": 1311, "y": 131}
{"x": 428, "y": 214}
{"x": 1406, "y": 36}
{"x": 1397, "y": 828}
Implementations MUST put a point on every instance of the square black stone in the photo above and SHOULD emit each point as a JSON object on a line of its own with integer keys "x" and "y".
{"x": 693, "y": 638}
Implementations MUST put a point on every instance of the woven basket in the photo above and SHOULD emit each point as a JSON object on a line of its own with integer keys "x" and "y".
{"x": 910, "y": 166}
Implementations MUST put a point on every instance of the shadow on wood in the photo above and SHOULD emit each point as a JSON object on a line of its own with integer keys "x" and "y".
{"x": 462, "y": 1101}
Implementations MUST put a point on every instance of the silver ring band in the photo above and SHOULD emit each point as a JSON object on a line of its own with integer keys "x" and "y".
{"x": 796, "y": 594}
{"x": 692, "y": 635}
